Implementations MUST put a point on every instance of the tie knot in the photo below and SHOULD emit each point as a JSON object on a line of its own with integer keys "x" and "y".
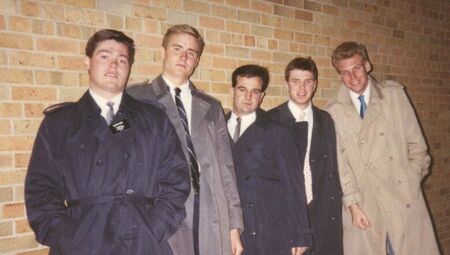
{"x": 177, "y": 91}
{"x": 110, "y": 105}
{"x": 361, "y": 98}
{"x": 302, "y": 115}
{"x": 238, "y": 119}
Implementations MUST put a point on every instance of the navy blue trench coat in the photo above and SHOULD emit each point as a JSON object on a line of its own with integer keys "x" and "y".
{"x": 271, "y": 189}
{"x": 90, "y": 190}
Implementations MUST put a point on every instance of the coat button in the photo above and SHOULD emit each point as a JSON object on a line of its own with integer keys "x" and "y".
{"x": 247, "y": 178}
{"x": 253, "y": 233}
{"x": 251, "y": 204}
{"x": 331, "y": 175}
{"x": 99, "y": 162}
{"x": 325, "y": 156}
{"x": 82, "y": 147}
{"x": 333, "y": 218}
{"x": 126, "y": 155}
{"x": 130, "y": 192}
{"x": 332, "y": 197}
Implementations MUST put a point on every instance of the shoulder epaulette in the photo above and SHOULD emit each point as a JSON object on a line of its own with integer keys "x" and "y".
{"x": 55, "y": 107}
{"x": 392, "y": 84}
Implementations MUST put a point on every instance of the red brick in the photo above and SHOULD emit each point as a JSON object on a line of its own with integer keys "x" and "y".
{"x": 13, "y": 210}
{"x": 9, "y": 40}
{"x": 35, "y": 94}
{"x": 58, "y": 45}
{"x": 30, "y": 8}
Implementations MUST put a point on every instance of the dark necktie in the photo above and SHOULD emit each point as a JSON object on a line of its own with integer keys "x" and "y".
{"x": 193, "y": 165}
{"x": 363, "y": 107}
{"x": 110, "y": 113}
{"x": 237, "y": 130}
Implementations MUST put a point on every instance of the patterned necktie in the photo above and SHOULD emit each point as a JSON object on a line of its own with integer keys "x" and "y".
{"x": 363, "y": 107}
{"x": 193, "y": 165}
{"x": 110, "y": 113}
{"x": 237, "y": 131}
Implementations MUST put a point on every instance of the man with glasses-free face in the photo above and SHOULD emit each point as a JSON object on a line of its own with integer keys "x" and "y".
{"x": 107, "y": 174}
{"x": 214, "y": 216}
{"x": 382, "y": 160}
{"x": 321, "y": 179}
{"x": 267, "y": 170}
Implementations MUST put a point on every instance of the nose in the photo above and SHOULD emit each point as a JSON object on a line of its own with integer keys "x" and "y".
{"x": 248, "y": 95}
{"x": 113, "y": 63}
{"x": 183, "y": 54}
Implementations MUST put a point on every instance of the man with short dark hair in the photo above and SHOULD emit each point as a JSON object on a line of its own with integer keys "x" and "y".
{"x": 214, "y": 214}
{"x": 268, "y": 172}
{"x": 382, "y": 159}
{"x": 107, "y": 174}
{"x": 322, "y": 185}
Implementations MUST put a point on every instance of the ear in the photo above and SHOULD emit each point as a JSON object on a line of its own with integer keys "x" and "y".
{"x": 162, "y": 50}
{"x": 262, "y": 97}
{"x": 87, "y": 62}
{"x": 232, "y": 92}
{"x": 367, "y": 66}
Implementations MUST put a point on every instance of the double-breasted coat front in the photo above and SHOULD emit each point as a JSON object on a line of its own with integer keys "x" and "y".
{"x": 91, "y": 189}
{"x": 325, "y": 210}
{"x": 271, "y": 189}
{"x": 219, "y": 205}
{"x": 382, "y": 159}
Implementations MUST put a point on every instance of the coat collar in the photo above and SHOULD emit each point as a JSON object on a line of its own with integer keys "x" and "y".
{"x": 200, "y": 106}
{"x": 373, "y": 109}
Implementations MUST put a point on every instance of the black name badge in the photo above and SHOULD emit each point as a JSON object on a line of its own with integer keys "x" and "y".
{"x": 119, "y": 126}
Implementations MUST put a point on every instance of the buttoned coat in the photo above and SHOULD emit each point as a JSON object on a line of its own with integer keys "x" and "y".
{"x": 271, "y": 189}
{"x": 220, "y": 208}
{"x": 91, "y": 191}
{"x": 325, "y": 210}
{"x": 382, "y": 160}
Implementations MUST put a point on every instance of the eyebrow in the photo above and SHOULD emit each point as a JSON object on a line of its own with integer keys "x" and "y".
{"x": 108, "y": 51}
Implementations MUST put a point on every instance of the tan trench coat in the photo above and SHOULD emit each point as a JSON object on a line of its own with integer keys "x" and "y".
{"x": 382, "y": 160}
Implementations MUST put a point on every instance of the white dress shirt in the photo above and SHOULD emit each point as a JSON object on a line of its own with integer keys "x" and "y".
{"x": 101, "y": 102}
{"x": 185, "y": 96}
{"x": 307, "y": 114}
{"x": 246, "y": 121}
{"x": 354, "y": 96}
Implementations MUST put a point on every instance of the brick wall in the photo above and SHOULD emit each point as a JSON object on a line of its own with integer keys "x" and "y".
{"x": 42, "y": 44}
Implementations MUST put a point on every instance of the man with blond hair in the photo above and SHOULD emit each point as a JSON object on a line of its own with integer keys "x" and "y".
{"x": 200, "y": 124}
{"x": 382, "y": 158}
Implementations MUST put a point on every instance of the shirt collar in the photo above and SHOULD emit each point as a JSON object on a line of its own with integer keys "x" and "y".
{"x": 101, "y": 102}
{"x": 184, "y": 87}
{"x": 296, "y": 111}
{"x": 366, "y": 94}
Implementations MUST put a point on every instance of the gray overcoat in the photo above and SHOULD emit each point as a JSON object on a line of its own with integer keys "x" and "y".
{"x": 220, "y": 208}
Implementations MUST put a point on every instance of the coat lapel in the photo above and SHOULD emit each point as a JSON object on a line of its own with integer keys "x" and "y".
{"x": 199, "y": 108}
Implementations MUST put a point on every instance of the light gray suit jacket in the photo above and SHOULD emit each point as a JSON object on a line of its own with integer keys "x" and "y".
{"x": 220, "y": 208}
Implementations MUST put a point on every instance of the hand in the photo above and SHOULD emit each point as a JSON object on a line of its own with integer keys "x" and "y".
{"x": 298, "y": 250}
{"x": 359, "y": 218}
{"x": 236, "y": 244}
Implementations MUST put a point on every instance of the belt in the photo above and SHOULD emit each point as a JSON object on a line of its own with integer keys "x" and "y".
{"x": 129, "y": 196}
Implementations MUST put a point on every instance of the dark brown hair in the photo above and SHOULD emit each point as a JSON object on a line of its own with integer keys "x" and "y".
{"x": 110, "y": 34}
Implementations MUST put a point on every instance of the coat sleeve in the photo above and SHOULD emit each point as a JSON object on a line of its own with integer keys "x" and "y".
{"x": 44, "y": 189}
{"x": 227, "y": 173}
{"x": 293, "y": 185}
{"x": 418, "y": 157}
{"x": 351, "y": 193}
{"x": 172, "y": 186}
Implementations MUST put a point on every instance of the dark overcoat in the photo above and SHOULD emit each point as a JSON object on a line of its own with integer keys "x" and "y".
{"x": 325, "y": 210}
{"x": 219, "y": 206}
{"x": 271, "y": 189}
{"x": 89, "y": 190}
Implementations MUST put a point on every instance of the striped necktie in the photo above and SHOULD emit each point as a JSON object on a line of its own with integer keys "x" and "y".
{"x": 193, "y": 165}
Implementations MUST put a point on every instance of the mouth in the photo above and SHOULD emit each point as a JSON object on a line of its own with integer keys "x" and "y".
{"x": 112, "y": 75}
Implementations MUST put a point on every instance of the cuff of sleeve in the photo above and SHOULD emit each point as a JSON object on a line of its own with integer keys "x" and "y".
{"x": 351, "y": 199}
{"x": 236, "y": 220}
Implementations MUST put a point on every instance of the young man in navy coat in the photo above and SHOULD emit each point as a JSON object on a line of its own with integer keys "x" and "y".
{"x": 107, "y": 174}
{"x": 323, "y": 190}
{"x": 268, "y": 173}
